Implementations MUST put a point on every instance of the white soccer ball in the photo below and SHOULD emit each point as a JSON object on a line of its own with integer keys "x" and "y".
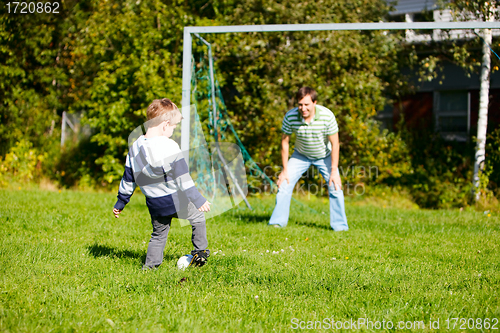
{"x": 184, "y": 261}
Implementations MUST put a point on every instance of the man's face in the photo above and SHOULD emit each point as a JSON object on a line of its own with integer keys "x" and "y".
{"x": 306, "y": 107}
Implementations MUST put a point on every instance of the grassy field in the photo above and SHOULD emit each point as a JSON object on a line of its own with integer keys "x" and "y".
{"x": 67, "y": 265}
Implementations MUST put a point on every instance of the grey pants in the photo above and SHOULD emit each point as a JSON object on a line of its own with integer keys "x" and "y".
{"x": 161, "y": 227}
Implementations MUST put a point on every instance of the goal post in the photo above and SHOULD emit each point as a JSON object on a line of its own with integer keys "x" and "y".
{"x": 189, "y": 31}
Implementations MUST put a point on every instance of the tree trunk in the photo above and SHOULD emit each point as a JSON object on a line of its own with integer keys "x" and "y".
{"x": 482, "y": 122}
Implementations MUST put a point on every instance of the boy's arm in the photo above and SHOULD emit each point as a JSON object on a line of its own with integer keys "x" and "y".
{"x": 127, "y": 188}
{"x": 185, "y": 183}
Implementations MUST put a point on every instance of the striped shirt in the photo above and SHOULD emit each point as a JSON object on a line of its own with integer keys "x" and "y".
{"x": 312, "y": 139}
{"x": 158, "y": 167}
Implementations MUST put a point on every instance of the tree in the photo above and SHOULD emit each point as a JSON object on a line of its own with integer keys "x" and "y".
{"x": 351, "y": 70}
{"x": 111, "y": 58}
{"x": 126, "y": 53}
{"x": 486, "y": 11}
{"x": 445, "y": 168}
{"x": 33, "y": 77}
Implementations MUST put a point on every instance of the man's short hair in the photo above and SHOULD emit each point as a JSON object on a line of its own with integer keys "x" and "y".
{"x": 161, "y": 110}
{"x": 304, "y": 91}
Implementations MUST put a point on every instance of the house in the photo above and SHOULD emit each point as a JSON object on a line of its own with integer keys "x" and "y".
{"x": 448, "y": 104}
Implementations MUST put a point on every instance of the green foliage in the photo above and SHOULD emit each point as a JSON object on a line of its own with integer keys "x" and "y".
{"x": 23, "y": 163}
{"x": 371, "y": 148}
{"x": 352, "y": 72}
{"x": 441, "y": 174}
{"x": 492, "y": 163}
{"x": 466, "y": 10}
{"x": 35, "y": 88}
{"x": 110, "y": 59}
{"x": 427, "y": 58}
{"x": 77, "y": 166}
{"x": 127, "y": 53}
{"x": 441, "y": 171}
{"x": 33, "y": 77}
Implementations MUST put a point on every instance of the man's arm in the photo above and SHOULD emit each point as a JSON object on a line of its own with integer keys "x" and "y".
{"x": 285, "y": 147}
{"x": 334, "y": 175}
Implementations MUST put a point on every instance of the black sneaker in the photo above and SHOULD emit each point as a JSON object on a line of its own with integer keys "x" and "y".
{"x": 199, "y": 257}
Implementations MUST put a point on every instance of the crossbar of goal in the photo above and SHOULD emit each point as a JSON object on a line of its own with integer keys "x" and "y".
{"x": 187, "y": 49}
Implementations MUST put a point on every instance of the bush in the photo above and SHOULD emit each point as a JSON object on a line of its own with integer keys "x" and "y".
{"x": 78, "y": 166}
{"x": 441, "y": 171}
{"x": 492, "y": 164}
{"x": 22, "y": 163}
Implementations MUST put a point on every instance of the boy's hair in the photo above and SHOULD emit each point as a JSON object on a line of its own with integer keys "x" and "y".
{"x": 161, "y": 110}
{"x": 304, "y": 91}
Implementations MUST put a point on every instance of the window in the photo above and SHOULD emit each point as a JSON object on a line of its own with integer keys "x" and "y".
{"x": 385, "y": 117}
{"x": 452, "y": 114}
{"x": 425, "y": 16}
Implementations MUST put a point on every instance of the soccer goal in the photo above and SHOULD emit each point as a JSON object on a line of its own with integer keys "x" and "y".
{"x": 214, "y": 99}
{"x": 190, "y": 31}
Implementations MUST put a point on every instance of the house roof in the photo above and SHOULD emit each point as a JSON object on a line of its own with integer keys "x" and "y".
{"x": 411, "y": 6}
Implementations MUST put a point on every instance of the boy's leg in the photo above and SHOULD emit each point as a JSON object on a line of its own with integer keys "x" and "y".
{"x": 199, "y": 236}
{"x": 297, "y": 165}
{"x": 198, "y": 225}
{"x": 161, "y": 226}
{"x": 338, "y": 219}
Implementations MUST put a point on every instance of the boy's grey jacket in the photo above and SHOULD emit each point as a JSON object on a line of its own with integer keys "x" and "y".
{"x": 158, "y": 167}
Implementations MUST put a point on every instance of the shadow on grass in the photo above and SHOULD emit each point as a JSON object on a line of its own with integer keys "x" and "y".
{"x": 262, "y": 218}
{"x": 313, "y": 225}
{"x": 249, "y": 217}
{"x": 107, "y": 251}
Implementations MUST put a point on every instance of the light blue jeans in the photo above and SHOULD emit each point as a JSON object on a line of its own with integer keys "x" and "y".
{"x": 297, "y": 165}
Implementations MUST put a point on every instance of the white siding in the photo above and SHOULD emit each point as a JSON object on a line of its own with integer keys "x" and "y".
{"x": 439, "y": 16}
{"x": 412, "y": 6}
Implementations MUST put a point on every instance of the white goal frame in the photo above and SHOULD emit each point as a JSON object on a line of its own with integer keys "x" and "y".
{"x": 188, "y": 39}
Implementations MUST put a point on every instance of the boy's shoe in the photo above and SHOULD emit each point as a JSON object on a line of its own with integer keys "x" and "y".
{"x": 149, "y": 268}
{"x": 199, "y": 258}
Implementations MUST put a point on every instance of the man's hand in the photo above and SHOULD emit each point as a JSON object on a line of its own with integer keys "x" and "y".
{"x": 335, "y": 179}
{"x": 282, "y": 177}
{"x": 116, "y": 212}
{"x": 205, "y": 207}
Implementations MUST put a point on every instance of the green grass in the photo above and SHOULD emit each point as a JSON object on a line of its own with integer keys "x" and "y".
{"x": 67, "y": 265}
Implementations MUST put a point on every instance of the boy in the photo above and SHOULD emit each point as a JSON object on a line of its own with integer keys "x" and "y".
{"x": 156, "y": 164}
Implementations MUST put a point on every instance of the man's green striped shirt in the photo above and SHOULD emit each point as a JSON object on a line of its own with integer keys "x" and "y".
{"x": 312, "y": 139}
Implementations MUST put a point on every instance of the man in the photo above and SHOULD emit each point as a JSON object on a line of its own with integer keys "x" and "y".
{"x": 317, "y": 143}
